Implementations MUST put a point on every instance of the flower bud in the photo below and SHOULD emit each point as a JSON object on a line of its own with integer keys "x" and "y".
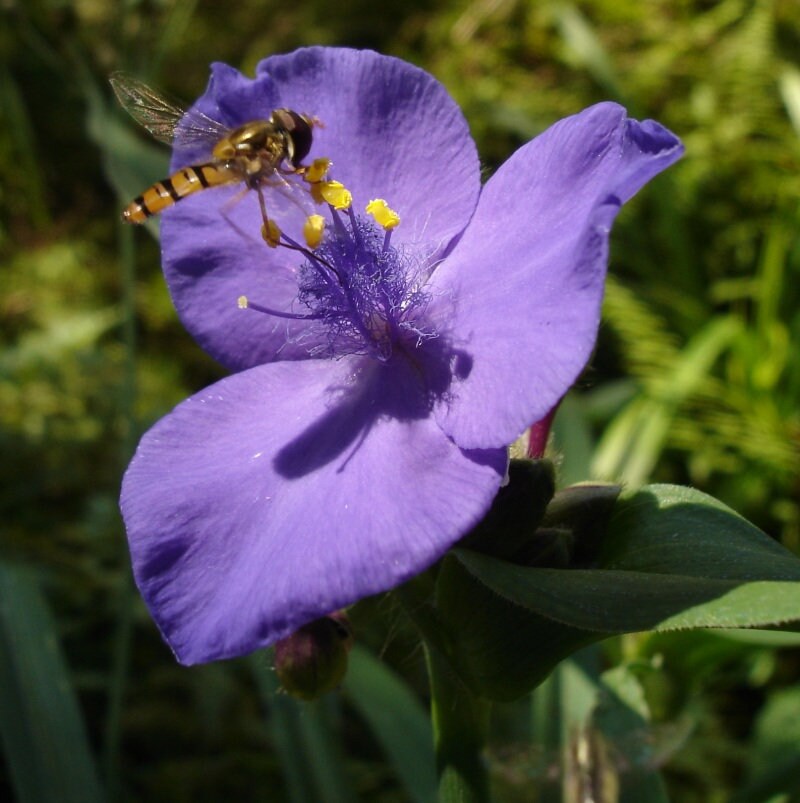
{"x": 313, "y": 660}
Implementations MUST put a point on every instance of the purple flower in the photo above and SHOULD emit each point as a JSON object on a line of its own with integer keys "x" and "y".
{"x": 366, "y": 429}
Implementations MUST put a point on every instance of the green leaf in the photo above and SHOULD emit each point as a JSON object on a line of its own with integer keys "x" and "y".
{"x": 42, "y": 729}
{"x": 672, "y": 529}
{"x": 672, "y": 558}
{"x": 789, "y": 84}
{"x": 501, "y": 650}
{"x": 584, "y": 47}
{"x": 397, "y": 719}
{"x": 605, "y": 737}
{"x": 636, "y": 438}
{"x": 761, "y": 638}
{"x": 614, "y": 601}
{"x": 573, "y": 439}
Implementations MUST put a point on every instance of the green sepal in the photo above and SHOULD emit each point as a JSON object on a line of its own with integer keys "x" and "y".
{"x": 584, "y": 510}
{"x": 516, "y": 511}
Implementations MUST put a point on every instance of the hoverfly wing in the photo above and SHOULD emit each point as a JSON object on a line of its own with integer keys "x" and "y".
{"x": 167, "y": 121}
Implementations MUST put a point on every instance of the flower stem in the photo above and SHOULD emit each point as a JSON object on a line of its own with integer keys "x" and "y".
{"x": 460, "y": 722}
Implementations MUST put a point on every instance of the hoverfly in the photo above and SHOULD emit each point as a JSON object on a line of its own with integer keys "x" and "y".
{"x": 257, "y": 153}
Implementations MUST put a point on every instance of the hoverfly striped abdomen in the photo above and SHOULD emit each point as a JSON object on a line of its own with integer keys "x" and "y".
{"x": 170, "y": 190}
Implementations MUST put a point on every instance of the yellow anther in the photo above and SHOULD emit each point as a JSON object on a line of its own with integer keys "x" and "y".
{"x": 335, "y": 193}
{"x": 242, "y": 302}
{"x": 384, "y": 215}
{"x": 313, "y": 229}
{"x": 271, "y": 234}
{"x": 316, "y": 170}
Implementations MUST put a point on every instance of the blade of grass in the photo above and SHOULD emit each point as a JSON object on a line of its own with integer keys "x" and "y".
{"x": 43, "y": 732}
{"x": 126, "y": 592}
{"x": 174, "y": 27}
{"x": 304, "y": 736}
{"x": 633, "y": 442}
{"x": 397, "y": 720}
{"x": 586, "y": 48}
{"x": 20, "y": 129}
{"x": 789, "y": 84}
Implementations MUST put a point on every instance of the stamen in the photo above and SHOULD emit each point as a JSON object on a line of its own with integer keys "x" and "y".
{"x": 335, "y": 193}
{"x": 385, "y": 217}
{"x": 365, "y": 294}
{"x": 317, "y": 170}
{"x": 383, "y": 214}
{"x": 313, "y": 229}
{"x": 315, "y": 260}
{"x": 354, "y": 228}
{"x": 244, "y": 303}
{"x": 341, "y": 231}
{"x": 271, "y": 233}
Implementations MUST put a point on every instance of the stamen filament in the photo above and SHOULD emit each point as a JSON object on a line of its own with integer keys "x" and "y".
{"x": 354, "y": 226}
{"x": 341, "y": 230}
{"x": 245, "y": 303}
{"x": 315, "y": 259}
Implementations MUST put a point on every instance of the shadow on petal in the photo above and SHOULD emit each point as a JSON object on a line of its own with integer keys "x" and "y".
{"x": 405, "y": 388}
{"x": 329, "y": 436}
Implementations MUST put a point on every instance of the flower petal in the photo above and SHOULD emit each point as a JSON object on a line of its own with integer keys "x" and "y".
{"x": 288, "y": 491}
{"x": 387, "y": 124}
{"x": 388, "y": 127}
{"x": 526, "y": 279}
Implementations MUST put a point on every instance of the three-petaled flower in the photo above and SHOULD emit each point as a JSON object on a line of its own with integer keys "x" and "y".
{"x": 365, "y": 429}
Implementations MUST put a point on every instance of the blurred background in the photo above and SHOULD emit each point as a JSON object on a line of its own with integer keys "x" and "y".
{"x": 696, "y": 380}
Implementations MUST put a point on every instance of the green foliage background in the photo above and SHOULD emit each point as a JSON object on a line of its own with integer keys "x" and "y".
{"x": 696, "y": 378}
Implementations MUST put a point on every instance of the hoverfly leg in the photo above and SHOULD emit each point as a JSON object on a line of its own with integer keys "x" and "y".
{"x": 262, "y": 205}
{"x": 228, "y": 207}
{"x": 269, "y": 230}
{"x": 234, "y": 200}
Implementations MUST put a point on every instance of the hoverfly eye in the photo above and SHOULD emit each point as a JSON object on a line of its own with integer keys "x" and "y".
{"x": 298, "y": 130}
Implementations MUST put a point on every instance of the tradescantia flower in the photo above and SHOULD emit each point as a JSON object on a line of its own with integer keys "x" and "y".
{"x": 382, "y": 372}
